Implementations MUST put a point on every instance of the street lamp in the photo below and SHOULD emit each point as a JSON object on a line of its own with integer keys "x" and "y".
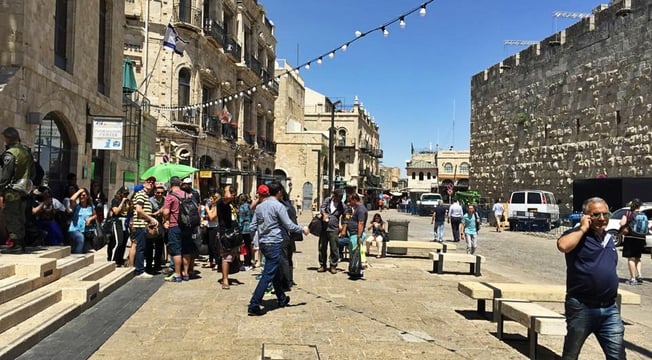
{"x": 319, "y": 185}
{"x": 331, "y": 146}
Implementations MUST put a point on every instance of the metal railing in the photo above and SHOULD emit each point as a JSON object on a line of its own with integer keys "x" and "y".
{"x": 214, "y": 30}
{"x": 232, "y": 48}
{"x": 184, "y": 13}
{"x": 186, "y": 116}
{"x": 249, "y": 138}
{"x": 229, "y": 132}
{"x": 211, "y": 125}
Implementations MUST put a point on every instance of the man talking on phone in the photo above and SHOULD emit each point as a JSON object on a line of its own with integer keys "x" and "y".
{"x": 591, "y": 283}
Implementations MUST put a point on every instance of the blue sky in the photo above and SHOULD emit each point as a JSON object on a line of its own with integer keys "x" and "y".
{"x": 416, "y": 81}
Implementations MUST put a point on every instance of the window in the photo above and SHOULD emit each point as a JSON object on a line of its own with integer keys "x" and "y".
{"x": 342, "y": 169}
{"x": 448, "y": 168}
{"x": 420, "y": 176}
{"x": 414, "y": 175}
{"x": 102, "y": 60}
{"x": 533, "y": 198}
{"x": 464, "y": 168}
{"x": 518, "y": 198}
{"x": 341, "y": 137}
{"x": 429, "y": 176}
{"x": 61, "y": 34}
{"x": 184, "y": 87}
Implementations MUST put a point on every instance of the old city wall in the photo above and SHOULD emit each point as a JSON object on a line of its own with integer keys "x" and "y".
{"x": 576, "y": 105}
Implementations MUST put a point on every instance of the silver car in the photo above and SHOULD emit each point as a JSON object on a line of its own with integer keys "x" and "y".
{"x": 614, "y": 223}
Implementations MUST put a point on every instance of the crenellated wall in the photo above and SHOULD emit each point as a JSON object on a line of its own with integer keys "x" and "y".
{"x": 576, "y": 105}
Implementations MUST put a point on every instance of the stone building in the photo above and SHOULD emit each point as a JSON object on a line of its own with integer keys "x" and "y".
{"x": 576, "y": 105}
{"x": 216, "y": 102}
{"x": 390, "y": 177}
{"x": 60, "y": 69}
{"x": 356, "y": 143}
{"x": 421, "y": 172}
{"x": 453, "y": 170}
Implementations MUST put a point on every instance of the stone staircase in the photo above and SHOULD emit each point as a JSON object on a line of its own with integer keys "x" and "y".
{"x": 41, "y": 291}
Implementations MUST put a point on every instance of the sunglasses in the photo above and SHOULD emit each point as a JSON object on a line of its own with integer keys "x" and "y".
{"x": 596, "y": 216}
{"x": 159, "y": 193}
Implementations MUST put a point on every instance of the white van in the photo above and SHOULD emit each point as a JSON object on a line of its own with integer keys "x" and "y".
{"x": 532, "y": 210}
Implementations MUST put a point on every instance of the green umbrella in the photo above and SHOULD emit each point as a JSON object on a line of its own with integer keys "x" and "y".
{"x": 128, "y": 77}
{"x": 163, "y": 172}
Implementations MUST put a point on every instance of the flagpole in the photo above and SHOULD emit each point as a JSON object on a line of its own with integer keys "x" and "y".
{"x": 146, "y": 59}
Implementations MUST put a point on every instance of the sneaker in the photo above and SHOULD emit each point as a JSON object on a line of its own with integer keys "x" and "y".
{"x": 284, "y": 303}
{"x": 639, "y": 279}
{"x": 255, "y": 311}
{"x": 321, "y": 269}
{"x": 173, "y": 278}
{"x": 167, "y": 271}
{"x": 632, "y": 282}
{"x": 333, "y": 270}
{"x": 144, "y": 275}
{"x": 185, "y": 277}
{"x": 248, "y": 268}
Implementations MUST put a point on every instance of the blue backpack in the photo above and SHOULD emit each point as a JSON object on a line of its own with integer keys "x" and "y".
{"x": 638, "y": 224}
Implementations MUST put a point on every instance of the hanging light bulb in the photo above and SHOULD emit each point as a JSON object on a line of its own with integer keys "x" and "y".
{"x": 401, "y": 22}
{"x": 422, "y": 12}
{"x": 385, "y": 32}
{"x": 248, "y": 92}
{"x": 331, "y": 54}
{"x": 253, "y": 89}
{"x": 319, "y": 61}
{"x": 307, "y": 67}
{"x": 241, "y": 93}
{"x": 358, "y": 33}
{"x": 235, "y": 96}
{"x": 345, "y": 46}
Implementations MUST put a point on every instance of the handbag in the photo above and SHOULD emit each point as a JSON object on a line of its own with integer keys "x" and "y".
{"x": 153, "y": 231}
{"x": 231, "y": 238}
{"x": 98, "y": 236}
{"x": 316, "y": 226}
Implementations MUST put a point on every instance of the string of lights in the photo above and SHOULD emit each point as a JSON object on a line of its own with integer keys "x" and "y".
{"x": 421, "y": 9}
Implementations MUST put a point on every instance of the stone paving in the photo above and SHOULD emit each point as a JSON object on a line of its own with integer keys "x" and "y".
{"x": 399, "y": 311}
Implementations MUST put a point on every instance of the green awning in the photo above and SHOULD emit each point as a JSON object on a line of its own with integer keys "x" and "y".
{"x": 128, "y": 77}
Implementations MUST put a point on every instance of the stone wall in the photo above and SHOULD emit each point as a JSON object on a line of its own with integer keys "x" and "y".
{"x": 576, "y": 105}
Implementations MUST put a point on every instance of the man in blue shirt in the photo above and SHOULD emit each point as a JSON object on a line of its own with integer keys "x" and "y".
{"x": 591, "y": 283}
{"x": 469, "y": 231}
{"x": 269, "y": 219}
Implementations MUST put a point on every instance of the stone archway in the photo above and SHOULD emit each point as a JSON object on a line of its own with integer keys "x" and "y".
{"x": 53, "y": 151}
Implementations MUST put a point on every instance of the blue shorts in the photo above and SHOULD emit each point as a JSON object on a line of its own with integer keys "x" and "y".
{"x": 180, "y": 241}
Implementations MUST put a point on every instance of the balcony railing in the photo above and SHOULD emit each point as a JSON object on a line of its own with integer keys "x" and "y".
{"x": 229, "y": 132}
{"x": 270, "y": 147}
{"x": 184, "y": 13}
{"x": 232, "y": 48}
{"x": 214, "y": 31}
{"x": 190, "y": 117}
{"x": 261, "y": 142}
{"x": 377, "y": 153}
{"x": 211, "y": 125}
{"x": 254, "y": 65}
{"x": 345, "y": 143}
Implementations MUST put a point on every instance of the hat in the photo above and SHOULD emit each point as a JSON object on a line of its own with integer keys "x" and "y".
{"x": 338, "y": 192}
{"x": 175, "y": 181}
{"x": 138, "y": 187}
{"x": 150, "y": 179}
{"x": 187, "y": 180}
{"x": 263, "y": 190}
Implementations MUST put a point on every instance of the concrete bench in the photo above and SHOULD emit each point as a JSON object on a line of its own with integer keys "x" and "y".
{"x": 439, "y": 258}
{"x": 537, "y": 319}
{"x": 426, "y": 245}
{"x": 482, "y": 291}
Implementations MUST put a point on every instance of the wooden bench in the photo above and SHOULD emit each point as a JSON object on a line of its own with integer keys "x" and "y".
{"x": 426, "y": 245}
{"x": 482, "y": 291}
{"x": 438, "y": 259}
{"x": 536, "y": 318}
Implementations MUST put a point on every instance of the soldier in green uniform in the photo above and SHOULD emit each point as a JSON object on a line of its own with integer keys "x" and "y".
{"x": 16, "y": 165}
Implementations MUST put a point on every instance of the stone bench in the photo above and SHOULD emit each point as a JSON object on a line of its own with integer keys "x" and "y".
{"x": 425, "y": 245}
{"x": 537, "y": 319}
{"x": 483, "y": 291}
{"x": 438, "y": 259}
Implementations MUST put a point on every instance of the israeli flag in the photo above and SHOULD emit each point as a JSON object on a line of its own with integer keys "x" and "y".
{"x": 172, "y": 41}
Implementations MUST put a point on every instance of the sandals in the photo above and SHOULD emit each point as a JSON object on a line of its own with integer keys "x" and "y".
{"x": 173, "y": 278}
{"x": 225, "y": 286}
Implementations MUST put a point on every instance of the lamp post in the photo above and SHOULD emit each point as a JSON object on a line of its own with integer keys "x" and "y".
{"x": 331, "y": 146}
{"x": 319, "y": 185}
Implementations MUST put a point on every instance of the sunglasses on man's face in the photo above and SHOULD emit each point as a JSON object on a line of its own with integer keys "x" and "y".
{"x": 596, "y": 216}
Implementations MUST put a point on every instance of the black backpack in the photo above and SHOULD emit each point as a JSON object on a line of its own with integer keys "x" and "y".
{"x": 188, "y": 211}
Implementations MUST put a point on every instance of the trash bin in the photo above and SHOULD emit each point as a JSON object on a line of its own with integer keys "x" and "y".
{"x": 398, "y": 231}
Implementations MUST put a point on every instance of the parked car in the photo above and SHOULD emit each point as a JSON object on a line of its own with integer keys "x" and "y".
{"x": 614, "y": 224}
{"x": 427, "y": 203}
{"x": 532, "y": 210}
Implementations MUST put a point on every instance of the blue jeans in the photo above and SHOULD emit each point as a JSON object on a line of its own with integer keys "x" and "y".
{"x": 604, "y": 322}
{"x": 439, "y": 231}
{"x": 272, "y": 253}
{"x": 140, "y": 236}
{"x": 77, "y": 241}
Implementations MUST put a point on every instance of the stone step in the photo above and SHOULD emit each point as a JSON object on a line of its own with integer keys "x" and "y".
{"x": 15, "y": 286}
{"x": 31, "y": 266}
{"x": 53, "y": 252}
{"x": 73, "y": 263}
{"x": 7, "y": 270}
{"x": 20, "y": 309}
{"x": 94, "y": 271}
{"x": 115, "y": 279}
{"x": 21, "y": 337}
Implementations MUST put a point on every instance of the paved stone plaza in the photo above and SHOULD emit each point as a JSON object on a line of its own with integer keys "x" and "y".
{"x": 399, "y": 311}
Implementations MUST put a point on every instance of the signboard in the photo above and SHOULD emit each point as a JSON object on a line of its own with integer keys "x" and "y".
{"x": 205, "y": 174}
{"x": 107, "y": 133}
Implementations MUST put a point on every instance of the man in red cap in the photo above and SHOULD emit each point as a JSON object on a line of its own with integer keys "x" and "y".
{"x": 142, "y": 218}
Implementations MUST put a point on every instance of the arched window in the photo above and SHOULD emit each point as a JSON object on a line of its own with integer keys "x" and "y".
{"x": 420, "y": 176}
{"x": 414, "y": 175}
{"x": 184, "y": 87}
{"x": 429, "y": 176}
{"x": 341, "y": 137}
{"x": 464, "y": 168}
{"x": 448, "y": 168}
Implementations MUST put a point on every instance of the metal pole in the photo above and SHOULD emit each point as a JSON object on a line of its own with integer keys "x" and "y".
{"x": 331, "y": 147}
{"x": 319, "y": 184}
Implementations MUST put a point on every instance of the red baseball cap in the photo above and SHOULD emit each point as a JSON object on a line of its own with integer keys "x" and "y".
{"x": 263, "y": 190}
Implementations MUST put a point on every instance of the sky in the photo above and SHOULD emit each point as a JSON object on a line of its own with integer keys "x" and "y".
{"x": 415, "y": 82}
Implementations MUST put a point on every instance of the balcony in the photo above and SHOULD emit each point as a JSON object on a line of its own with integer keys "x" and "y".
{"x": 270, "y": 147}
{"x": 378, "y": 153}
{"x": 249, "y": 137}
{"x": 233, "y": 49}
{"x": 254, "y": 65}
{"x": 211, "y": 125}
{"x": 214, "y": 31}
{"x": 229, "y": 132}
{"x": 273, "y": 86}
{"x": 261, "y": 142}
{"x": 186, "y": 117}
{"x": 185, "y": 14}
{"x": 345, "y": 143}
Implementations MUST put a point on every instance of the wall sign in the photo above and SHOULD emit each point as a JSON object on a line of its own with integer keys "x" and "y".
{"x": 107, "y": 133}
